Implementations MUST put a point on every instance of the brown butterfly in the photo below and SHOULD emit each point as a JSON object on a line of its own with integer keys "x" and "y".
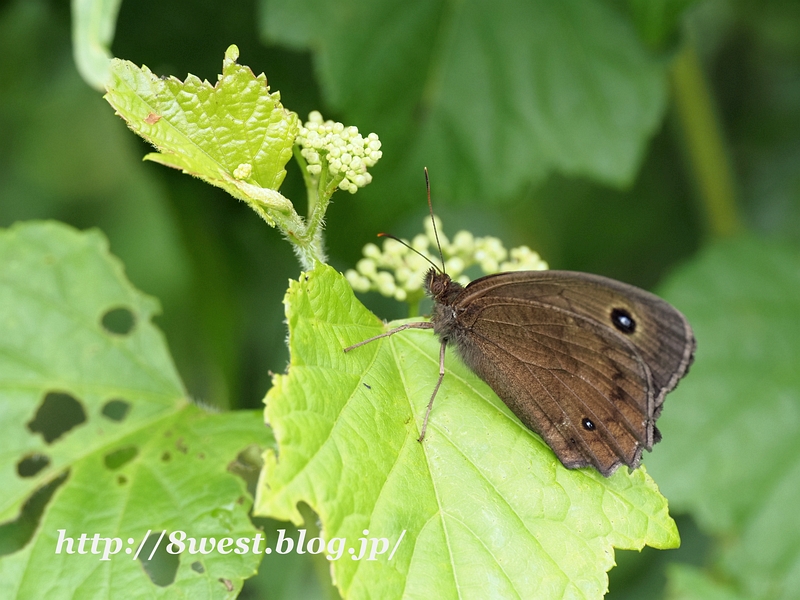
{"x": 582, "y": 360}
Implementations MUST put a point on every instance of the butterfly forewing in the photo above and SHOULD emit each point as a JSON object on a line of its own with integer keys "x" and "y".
{"x": 662, "y": 335}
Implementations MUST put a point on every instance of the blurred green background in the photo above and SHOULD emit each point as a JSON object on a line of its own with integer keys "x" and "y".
{"x": 621, "y": 137}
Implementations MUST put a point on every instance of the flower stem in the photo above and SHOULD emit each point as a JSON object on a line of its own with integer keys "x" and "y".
{"x": 705, "y": 144}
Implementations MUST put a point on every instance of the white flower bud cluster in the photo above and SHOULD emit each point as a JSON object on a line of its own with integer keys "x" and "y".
{"x": 345, "y": 150}
{"x": 399, "y": 272}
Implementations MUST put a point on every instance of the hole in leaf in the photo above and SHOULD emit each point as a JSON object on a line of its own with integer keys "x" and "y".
{"x": 247, "y": 465}
{"x": 118, "y": 320}
{"x": 15, "y": 534}
{"x": 32, "y": 464}
{"x": 198, "y": 567}
{"x": 162, "y": 568}
{"x": 116, "y": 410}
{"x": 116, "y": 459}
{"x": 58, "y": 413}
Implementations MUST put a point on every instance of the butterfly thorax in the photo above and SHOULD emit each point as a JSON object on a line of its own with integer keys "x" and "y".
{"x": 444, "y": 292}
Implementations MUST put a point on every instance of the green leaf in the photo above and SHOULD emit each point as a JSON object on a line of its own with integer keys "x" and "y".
{"x": 484, "y": 507}
{"x": 211, "y": 131}
{"x": 657, "y": 20}
{"x": 94, "y": 413}
{"x": 731, "y": 450}
{"x": 491, "y": 96}
{"x": 93, "y": 24}
{"x": 689, "y": 583}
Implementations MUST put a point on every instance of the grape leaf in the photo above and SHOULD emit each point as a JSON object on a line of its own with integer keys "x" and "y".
{"x": 483, "y": 506}
{"x": 473, "y": 89}
{"x": 210, "y": 131}
{"x": 94, "y": 413}
{"x": 731, "y": 450}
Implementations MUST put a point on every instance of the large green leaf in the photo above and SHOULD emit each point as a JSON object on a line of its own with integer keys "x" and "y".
{"x": 484, "y": 507}
{"x": 731, "y": 450}
{"x": 491, "y": 96}
{"x": 93, "y": 410}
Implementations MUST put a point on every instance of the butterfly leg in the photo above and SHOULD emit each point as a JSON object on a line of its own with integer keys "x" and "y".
{"x": 415, "y": 325}
{"x": 435, "y": 390}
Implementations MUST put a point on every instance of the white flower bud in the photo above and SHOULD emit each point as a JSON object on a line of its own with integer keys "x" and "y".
{"x": 489, "y": 265}
{"x": 454, "y": 266}
{"x": 357, "y": 282}
{"x": 386, "y": 284}
{"x": 393, "y": 247}
{"x": 367, "y": 266}
{"x": 414, "y": 283}
{"x": 403, "y": 273}
{"x": 464, "y": 242}
{"x": 420, "y": 242}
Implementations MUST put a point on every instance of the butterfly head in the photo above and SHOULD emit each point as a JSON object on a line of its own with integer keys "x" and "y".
{"x": 440, "y": 287}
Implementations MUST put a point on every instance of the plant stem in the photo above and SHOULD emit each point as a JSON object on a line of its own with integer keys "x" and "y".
{"x": 305, "y": 235}
{"x": 705, "y": 145}
{"x": 311, "y": 191}
{"x": 307, "y": 243}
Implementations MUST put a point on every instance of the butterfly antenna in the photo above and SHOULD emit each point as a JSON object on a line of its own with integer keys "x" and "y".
{"x": 397, "y": 239}
{"x": 433, "y": 221}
